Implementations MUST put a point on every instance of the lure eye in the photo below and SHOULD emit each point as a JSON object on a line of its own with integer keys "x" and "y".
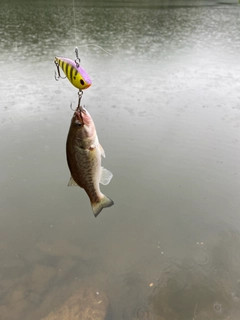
{"x": 82, "y": 82}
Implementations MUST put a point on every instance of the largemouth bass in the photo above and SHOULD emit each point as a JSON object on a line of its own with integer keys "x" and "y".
{"x": 84, "y": 160}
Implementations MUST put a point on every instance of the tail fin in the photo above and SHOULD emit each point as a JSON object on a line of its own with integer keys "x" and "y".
{"x": 97, "y": 207}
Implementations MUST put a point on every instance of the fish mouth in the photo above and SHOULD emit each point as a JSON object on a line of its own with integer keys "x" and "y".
{"x": 79, "y": 116}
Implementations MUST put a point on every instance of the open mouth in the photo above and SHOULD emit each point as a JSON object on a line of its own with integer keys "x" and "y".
{"x": 79, "y": 119}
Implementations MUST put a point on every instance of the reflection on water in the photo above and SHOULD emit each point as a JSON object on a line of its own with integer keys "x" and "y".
{"x": 166, "y": 108}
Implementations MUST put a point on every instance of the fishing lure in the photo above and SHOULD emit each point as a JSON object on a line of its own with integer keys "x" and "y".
{"x": 73, "y": 71}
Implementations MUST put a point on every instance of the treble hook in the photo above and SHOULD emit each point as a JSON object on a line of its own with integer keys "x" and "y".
{"x": 57, "y": 76}
{"x": 80, "y": 94}
{"x": 77, "y": 60}
{"x": 79, "y": 109}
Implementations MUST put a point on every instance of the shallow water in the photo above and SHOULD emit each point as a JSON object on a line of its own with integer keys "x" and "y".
{"x": 166, "y": 105}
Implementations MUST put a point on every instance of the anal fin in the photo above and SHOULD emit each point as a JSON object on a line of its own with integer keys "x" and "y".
{"x": 72, "y": 183}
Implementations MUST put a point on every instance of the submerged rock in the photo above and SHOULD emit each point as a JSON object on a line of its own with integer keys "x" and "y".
{"x": 15, "y": 304}
{"x": 65, "y": 266}
{"x": 63, "y": 249}
{"x": 41, "y": 278}
{"x": 85, "y": 304}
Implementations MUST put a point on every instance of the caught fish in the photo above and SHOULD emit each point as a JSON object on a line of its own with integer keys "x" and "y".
{"x": 75, "y": 74}
{"x": 84, "y": 160}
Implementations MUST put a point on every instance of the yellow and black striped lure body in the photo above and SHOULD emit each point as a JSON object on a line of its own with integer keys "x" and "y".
{"x": 75, "y": 74}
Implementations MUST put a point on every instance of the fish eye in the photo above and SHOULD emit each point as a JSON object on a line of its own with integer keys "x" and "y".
{"x": 82, "y": 82}
{"x": 78, "y": 123}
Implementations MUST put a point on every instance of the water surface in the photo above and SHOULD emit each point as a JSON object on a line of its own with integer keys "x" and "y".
{"x": 166, "y": 105}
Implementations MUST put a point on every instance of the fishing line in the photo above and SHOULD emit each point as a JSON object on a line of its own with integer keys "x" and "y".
{"x": 74, "y": 21}
{"x": 75, "y": 32}
{"x": 72, "y": 69}
{"x": 95, "y": 45}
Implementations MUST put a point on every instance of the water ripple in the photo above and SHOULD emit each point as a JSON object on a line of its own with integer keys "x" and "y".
{"x": 143, "y": 313}
{"x": 217, "y": 307}
{"x": 201, "y": 255}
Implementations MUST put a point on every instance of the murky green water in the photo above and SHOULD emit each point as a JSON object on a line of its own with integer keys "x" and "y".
{"x": 166, "y": 105}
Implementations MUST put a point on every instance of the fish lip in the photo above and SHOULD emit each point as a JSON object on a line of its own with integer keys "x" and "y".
{"x": 82, "y": 109}
{"x": 78, "y": 116}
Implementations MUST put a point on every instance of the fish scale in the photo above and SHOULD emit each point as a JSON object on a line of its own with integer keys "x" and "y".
{"x": 84, "y": 160}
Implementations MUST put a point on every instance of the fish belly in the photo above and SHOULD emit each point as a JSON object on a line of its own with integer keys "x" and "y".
{"x": 85, "y": 169}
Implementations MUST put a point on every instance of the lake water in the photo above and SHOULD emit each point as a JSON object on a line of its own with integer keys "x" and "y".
{"x": 166, "y": 105}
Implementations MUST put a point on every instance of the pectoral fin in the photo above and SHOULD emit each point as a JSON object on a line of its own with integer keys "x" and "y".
{"x": 106, "y": 176}
{"x": 102, "y": 151}
{"x": 72, "y": 183}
